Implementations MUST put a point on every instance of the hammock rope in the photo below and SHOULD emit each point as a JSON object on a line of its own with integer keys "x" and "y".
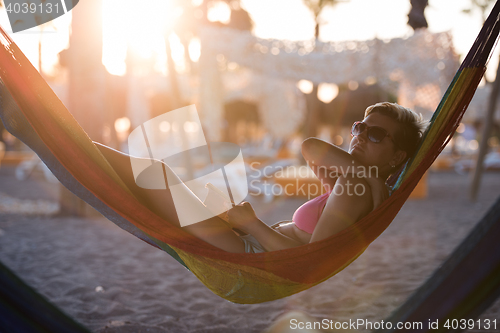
{"x": 41, "y": 121}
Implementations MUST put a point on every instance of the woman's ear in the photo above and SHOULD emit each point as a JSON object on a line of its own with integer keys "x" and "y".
{"x": 398, "y": 157}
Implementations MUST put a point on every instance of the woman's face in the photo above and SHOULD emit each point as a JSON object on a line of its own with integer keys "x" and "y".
{"x": 382, "y": 154}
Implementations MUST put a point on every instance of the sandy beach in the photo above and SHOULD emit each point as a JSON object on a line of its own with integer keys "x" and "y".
{"x": 110, "y": 281}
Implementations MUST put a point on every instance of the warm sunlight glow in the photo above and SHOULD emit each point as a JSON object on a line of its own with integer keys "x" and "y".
{"x": 305, "y": 86}
{"x": 138, "y": 26}
{"x": 352, "y": 85}
{"x": 164, "y": 126}
{"x": 141, "y": 25}
{"x": 191, "y": 126}
{"x": 122, "y": 125}
{"x": 473, "y": 144}
{"x": 194, "y": 49}
{"x": 219, "y": 11}
{"x": 177, "y": 52}
{"x": 53, "y": 35}
{"x": 338, "y": 140}
{"x": 364, "y": 19}
{"x": 327, "y": 92}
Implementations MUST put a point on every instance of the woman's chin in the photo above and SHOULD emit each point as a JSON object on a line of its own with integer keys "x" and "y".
{"x": 355, "y": 152}
{"x": 359, "y": 156}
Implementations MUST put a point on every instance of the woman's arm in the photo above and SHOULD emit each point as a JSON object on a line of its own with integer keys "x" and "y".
{"x": 326, "y": 158}
{"x": 349, "y": 201}
{"x": 329, "y": 162}
{"x": 243, "y": 217}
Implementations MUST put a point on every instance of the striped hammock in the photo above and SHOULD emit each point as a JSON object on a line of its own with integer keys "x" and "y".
{"x": 42, "y": 122}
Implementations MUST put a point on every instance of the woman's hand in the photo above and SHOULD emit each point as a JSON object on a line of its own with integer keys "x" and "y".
{"x": 242, "y": 216}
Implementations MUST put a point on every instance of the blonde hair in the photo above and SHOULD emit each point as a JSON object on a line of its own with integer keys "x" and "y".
{"x": 412, "y": 125}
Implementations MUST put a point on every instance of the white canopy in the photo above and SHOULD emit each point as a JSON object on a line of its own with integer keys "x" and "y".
{"x": 417, "y": 69}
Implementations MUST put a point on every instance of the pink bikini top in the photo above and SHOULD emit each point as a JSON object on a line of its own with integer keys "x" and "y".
{"x": 307, "y": 216}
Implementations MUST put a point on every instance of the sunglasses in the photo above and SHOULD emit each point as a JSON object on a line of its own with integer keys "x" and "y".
{"x": 374, "y": 133}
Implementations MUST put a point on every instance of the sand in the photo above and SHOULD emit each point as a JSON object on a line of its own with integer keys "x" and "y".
{"x": 110, "y": 281}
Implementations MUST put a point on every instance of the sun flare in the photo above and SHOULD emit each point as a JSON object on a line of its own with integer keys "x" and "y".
{"x": 136, "y": 29}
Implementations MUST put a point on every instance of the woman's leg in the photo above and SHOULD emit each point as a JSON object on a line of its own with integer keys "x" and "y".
{"x": 213, "y": 230}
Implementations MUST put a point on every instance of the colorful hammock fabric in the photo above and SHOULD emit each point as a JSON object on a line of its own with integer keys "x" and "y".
{"x": 41, "y": 121}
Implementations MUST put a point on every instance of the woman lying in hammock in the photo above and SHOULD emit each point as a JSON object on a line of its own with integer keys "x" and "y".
{"x": 383, "y": 141}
